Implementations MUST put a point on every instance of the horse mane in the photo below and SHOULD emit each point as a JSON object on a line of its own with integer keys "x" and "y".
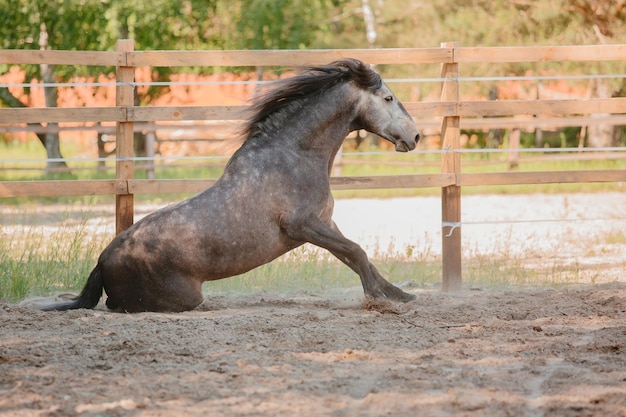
{"x": 315, "y": 80}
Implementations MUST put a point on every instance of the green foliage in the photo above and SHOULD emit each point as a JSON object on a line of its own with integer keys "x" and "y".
{"x": 499, "y": 23}
{"x": 69, "y": 25}
{"x": 280, "y": 24}
{"x": 276, "y": 24}
{"x": 163, "y": 24}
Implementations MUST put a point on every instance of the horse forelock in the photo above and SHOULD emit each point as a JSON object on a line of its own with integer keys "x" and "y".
{"x": 361, "y": 74}
{"x": 309, "y": 82}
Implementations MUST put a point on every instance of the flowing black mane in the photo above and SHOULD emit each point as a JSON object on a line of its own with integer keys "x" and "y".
{"x": 312, "y": 81}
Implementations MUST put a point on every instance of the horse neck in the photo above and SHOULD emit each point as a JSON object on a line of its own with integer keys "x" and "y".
{"x": 323, "y": 122}
{"x": 312, "y": 128}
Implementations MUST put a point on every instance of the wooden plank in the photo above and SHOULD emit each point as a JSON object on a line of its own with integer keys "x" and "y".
{"x": 50, "y": 188}
{"x": 548, "y": 177}
{"x": 549, "y": 122}
{"x": 176, "y": 113}
{"x": 542, "y": 107}
{"x": 36, "y": 57}
{"x": 336, "y": 183}
{"x": 574, "y": 156}
{"x": 541, "y": 53}
{"x": 169, "y": 186}
{"x": 62, "y": 114}
{"x": 481, "y": 109}
{"x": 452, "y": 251}
{"x": 431, "y": 108}
{"x": 391, "y": 181}
{"x": 415, "y": 109}
{"x": 288, "y": 58}
{"x": 524, "y": 122}
{"x": 451, "y": 195}
{"x": 53, "y": 188}
{"x": 124, "y": 141}
{"x": 314, "y": 57}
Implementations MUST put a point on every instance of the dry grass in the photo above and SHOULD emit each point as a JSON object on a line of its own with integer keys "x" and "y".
{"x": 50, "y": 249}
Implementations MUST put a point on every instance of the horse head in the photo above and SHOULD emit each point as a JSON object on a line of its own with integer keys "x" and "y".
{"x": 380, "y": 112}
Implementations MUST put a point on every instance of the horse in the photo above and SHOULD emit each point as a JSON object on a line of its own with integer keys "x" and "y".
{"x": 273, "y": 196}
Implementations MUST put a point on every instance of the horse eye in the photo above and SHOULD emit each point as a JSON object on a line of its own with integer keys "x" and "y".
{"x": 389, "y": 98}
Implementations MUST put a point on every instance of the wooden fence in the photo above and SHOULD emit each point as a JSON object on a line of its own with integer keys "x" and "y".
{"x": 450, "y": 109}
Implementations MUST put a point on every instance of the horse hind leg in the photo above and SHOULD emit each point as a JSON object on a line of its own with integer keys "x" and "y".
{"x": 175, "y": 293}
{"x": 182, "y": 294}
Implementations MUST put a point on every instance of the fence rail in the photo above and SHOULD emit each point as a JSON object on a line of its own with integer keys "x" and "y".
{"x": 481, "y": 123}
{"x": 453, "y": 112}
{"x": 415, "y": 109}
{"x": 244, "y": 58}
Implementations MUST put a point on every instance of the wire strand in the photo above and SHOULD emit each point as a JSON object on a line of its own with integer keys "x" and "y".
{"x": 350, "y": 154}
{"x": 263, "y": 82}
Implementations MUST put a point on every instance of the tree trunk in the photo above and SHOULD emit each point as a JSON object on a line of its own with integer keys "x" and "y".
{"x": 600, "y": 135}
{"x": 139, "y": 137}
{"x": 619, "y": 131}
{"x": 52, "y": 142}
{"x": 370, "y": 23}
{"x": 11, "y": 101}
{"x": 514, "y": 144}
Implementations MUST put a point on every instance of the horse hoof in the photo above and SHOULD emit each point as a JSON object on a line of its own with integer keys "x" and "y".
{"x": 406, "y": 297}
{"x": 393, "y": 294}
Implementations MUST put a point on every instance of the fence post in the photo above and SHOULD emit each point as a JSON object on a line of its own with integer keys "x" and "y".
{"x": 124, "y": 152}
{"x": 451, "y": 195}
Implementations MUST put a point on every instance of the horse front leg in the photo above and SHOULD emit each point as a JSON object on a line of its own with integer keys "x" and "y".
{"x": 314, "y": 231}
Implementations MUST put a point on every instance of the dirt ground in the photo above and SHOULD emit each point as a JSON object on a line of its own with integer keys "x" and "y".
{"x": 489, "y": 352}
{"x": 473, "y": 353}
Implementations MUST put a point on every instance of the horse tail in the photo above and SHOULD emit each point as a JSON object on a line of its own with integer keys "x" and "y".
{"x": 88, "y": 297}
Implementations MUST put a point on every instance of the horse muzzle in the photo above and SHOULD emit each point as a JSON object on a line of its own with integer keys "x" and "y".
{"x": 405, "y": 146}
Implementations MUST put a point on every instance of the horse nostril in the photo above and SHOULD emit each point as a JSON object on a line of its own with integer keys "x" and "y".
{"x": 417, "y": 137}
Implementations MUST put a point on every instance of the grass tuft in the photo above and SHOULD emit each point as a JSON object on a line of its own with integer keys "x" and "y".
{"x": 57, "y": 256}
{"x": 37, "y": 261}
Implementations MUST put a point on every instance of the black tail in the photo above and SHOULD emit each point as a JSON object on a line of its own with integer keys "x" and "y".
{"x": 88, "y": 298}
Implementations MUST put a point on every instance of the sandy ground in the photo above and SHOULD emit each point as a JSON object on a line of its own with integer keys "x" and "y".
{"x": 490, "y": 352}
{"x": 496, "y": 353}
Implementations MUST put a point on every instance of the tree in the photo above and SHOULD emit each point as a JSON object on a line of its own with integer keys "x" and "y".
{"x": 95, "y": 25}
{"x": 277, "y": 24}
{"x": 402, "y": 23}
{"x": 42, "y": 25}
{"x": 157, "y": 24}
{"x": 602, "y": 21}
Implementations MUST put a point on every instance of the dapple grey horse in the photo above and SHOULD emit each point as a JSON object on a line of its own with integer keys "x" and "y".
{"x": 273, "y": 196}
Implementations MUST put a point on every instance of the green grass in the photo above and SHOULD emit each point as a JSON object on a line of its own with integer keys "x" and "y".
{"x": 38, "y": 261}
{"x": 34, "y": 261}
{"x": 310, "y": 269}
{"x": 489, "y": 271}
